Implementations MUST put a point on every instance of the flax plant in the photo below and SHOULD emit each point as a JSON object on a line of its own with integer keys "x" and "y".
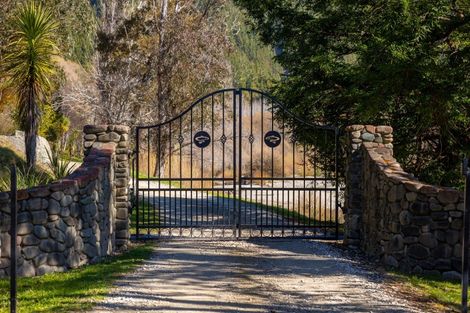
{"x": 29, "y": 67}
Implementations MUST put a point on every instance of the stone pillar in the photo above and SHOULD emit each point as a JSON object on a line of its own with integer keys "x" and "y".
{"x": 357, "y": 136}
{"x": 115, "y": 137}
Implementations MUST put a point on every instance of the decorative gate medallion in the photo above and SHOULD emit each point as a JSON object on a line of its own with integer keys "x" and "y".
{"x": 272, "y": 139}
{"x": 202, "y": 139}
{"x": 229, "y": 166}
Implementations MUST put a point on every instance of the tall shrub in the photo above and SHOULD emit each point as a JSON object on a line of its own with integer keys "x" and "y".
{"x": 29, "y": 67}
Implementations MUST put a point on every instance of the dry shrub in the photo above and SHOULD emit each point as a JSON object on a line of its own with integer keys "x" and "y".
{"x": 7, "y": 126}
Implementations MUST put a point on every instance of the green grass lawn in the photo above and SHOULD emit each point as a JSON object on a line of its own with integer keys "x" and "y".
{"x": 76, "y": 290}
{"x": 446, "y": 294}
{"x": 144, "y": 211}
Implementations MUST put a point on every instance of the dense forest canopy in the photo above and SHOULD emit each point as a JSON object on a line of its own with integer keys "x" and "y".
{"x": 402, "y": 63}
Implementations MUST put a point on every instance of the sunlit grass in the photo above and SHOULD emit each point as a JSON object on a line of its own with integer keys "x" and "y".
{"x": 445, "y": 293}
{"x": 76, "y": 290}
{"x": 145, "y": 209}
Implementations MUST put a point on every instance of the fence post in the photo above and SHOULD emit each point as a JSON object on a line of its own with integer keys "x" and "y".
{"x": 466, "y": 237}
{"x": 13, "y": 231}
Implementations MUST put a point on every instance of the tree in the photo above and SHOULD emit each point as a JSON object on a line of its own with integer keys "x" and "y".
{"x": 403, "y": 63}
{"x": 153, "y": 59}
{"x": 75, "y": 37}
{"x": 29, "y": 67}
{"x": 76, "y": 34}
{"x": 251, "y": 62}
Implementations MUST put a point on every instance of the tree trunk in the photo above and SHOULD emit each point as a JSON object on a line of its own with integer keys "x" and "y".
{"x": 161, "y": 153}
{"x": 30, "y": 147}
{"x": 32, "y": 127}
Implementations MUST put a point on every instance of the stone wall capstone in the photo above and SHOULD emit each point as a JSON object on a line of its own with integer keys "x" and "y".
{"x": 390, "y": 215}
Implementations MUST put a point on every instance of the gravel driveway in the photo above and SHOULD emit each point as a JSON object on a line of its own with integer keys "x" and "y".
{"x": 282, "y": 275}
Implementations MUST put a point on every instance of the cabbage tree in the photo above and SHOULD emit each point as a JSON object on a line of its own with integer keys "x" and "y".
{"x": 29, "y": 67}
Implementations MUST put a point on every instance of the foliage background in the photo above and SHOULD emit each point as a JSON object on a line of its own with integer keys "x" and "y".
{"x": 119, "y": 60}
{"x": 401, "y": 63}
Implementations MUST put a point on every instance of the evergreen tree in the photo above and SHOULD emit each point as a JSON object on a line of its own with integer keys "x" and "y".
{"x": 398, "y": 62}
{"x": 252, "y": 62}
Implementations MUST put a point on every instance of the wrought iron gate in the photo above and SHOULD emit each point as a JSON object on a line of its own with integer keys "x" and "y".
{"x": 228, "y": 166}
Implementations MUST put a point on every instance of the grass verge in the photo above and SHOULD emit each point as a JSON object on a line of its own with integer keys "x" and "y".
{"x": 146, "y": 211}
{"x": 445, "y": 295}
{"x": 76, "y": 290}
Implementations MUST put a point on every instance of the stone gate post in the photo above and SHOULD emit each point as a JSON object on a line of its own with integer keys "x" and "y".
{"x": 115, "y": 137}
{"x": 357, "y": 136}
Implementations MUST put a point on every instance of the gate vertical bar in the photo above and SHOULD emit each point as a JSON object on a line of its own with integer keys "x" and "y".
{"x": 261, "y": 165}
{"x": 272, "y": 173}
{"x": 132, "y": 158}
{"x": 147, "y": 204}
{"x": 239, "y": 202}
{"x": 212, "y": 168}
{"x": 136, "y": 177}
{"x": 234, "y": 152}
{"x": 224, "y": 221}
{"x": 466, "y": 238}
{"x": 159, "y": 171}
{"x": 170, "y": 181}
{"x": 13, "y": 231}
{"x": 191, "y": 173}
{"x": 336, "y": 183}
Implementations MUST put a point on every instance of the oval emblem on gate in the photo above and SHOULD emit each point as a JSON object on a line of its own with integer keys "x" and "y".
{"x": 202, "y": 139}
{"x": 272, "y": 139}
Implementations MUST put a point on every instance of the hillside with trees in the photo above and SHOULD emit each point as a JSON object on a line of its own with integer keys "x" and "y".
{"x": 134, "y": 62}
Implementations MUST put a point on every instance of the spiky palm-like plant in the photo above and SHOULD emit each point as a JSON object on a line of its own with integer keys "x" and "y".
{"x": 29, "y": 67}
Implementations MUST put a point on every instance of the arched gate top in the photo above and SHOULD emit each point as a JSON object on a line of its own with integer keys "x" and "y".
{"x": 238, "y": 91}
